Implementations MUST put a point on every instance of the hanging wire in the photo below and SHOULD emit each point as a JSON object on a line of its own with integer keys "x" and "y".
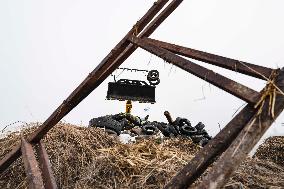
{"x": 171, "y": 69}
{"x": 120, "y": 74}
{"x": 150, "y": 60}
{"x": 238, "y": 109}
{"x": 5, "y": 127}
{"x": 203, "y": 95}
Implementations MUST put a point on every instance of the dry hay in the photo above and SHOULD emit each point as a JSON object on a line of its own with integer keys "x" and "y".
{"x": 272, "y": 149}
{"x": 88, "y": 158}
{"x": 257, "y": 174}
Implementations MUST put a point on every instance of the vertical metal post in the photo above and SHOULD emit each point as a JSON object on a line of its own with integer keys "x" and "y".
{"x": 47, "y": 173}
{"x": 31, "y": 166}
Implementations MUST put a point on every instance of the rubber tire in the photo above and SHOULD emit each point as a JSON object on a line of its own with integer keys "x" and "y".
{"x": 155, "y": 82}
{"x": 199, "y": 126}
{"x": 197, "y": 138}
{"x": 185, "y": 121}
{"x": 149, "y": 129}
{"x": 202, "y": 132}
{"x": 188, "y": 130}
{"x": 153, "y": 75}
{"x": 106, "y": 122}
{"x": 203, "y": 142}
{"x": 126, "y": 125}
{"x": 165, "y": 130}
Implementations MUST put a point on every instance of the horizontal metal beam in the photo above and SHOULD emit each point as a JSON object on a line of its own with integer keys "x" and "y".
{"x": 47, "y": 173}
{"x": 246, "y": 140}
{"x": 232, "y": 87}
{"x": 31, "y": 166}
{"x": 86, "y": 87}
{"x": 227, "y": 63}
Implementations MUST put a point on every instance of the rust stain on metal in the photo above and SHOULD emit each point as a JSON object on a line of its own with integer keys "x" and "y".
{"x": 246, "y": 140}
{"x": 93, "y": 80}
{"x": 227, "y": 63}
{"x": 226, "y": 84}
{"x": 207, "y": 155}
{"x": 31, "y": 166}
{"x": 48, "y": 177}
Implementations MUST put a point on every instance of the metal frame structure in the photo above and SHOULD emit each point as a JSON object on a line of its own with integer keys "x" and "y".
{"x": 232, "y": 144}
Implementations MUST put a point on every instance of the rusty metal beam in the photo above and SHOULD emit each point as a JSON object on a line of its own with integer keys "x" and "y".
{"x": 227, "y": 63}
{"x": 86, "y": 87}
{"x": 216, "y": 79}
{"x": 31, "y": 166}
{"x": 246, "y": 140}
{"x": 216, "y": 146}
{"x": 47, "y": 173}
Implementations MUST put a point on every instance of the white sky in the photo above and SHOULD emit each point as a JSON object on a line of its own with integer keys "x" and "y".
{"x": 48, "y": 47}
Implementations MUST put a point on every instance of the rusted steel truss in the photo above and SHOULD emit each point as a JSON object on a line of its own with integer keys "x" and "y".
{"x": 231, "y": 144}
{"x": 214, "y": 78}
{"x": 121, "y": 51}
{"x": 47, "y": 173}
{"x": 39, "y": 175}
{"x": 31, "y": 166}
{"x": 228, "y": 63}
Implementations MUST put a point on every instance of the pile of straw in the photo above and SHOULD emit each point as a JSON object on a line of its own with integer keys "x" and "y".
{"x": 89, "y": 158}
{"x": 256, "y": 173}
{"x": 272, "y": 149}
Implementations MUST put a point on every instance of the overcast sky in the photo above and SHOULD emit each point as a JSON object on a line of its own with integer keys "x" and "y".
{"x": 48, "y": 47}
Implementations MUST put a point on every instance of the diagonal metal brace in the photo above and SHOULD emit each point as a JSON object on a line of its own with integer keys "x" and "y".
{"x": 216, "y": 146}
{"x": 227, "y": 63}
{"x": 94, "y": 79}
{"x": 145, "y": 33}
{"x": 248, "y": 138}
{"x": 232, "y": 87}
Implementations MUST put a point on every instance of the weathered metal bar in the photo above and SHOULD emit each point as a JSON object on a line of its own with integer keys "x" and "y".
{"x": 47, "y": 173}
{"x": 169, "y": 117}
{"x": 232, "y": 87}
{"x": 216, "y": 146}
{"x": 227, "y": 63}
{"x": 31, "y": 166}
{"x": 246, "y": 140}
{"x": 86, "y": 87}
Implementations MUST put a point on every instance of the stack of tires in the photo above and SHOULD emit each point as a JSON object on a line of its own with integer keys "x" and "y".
{"x": 115, "y": 124}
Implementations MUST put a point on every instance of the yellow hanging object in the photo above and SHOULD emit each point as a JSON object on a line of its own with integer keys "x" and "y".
{"x": 128, "y": 106}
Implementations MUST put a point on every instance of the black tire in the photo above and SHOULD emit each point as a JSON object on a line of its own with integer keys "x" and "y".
{"x": 207, "y": 136}
{"x": 185, "y": 122}
{"x": 149, "y": 129}
{"x": 197, "y": 138}
{"x": 202, "y": 132}
{"x": 165, "y": 130}
{"x": 106, "y": 122}
{"x": 153, "y": 75}
{"x": 203, "y": 142}
{"x": 126, "y": 125}
{"x": 156, "y": 82}
{"x": 177, "y": 121}
{"x": 97, "y": 122}
{"x": 173, "y": 130}
{"x": 188, "y": 130}
{"x": 199, "y": 126}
